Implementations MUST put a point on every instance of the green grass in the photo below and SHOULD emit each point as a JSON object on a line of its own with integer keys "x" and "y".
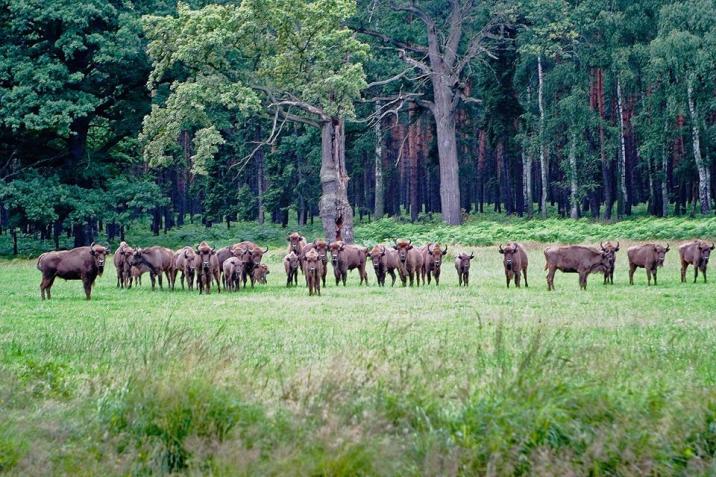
{"x": 617, "y": 380}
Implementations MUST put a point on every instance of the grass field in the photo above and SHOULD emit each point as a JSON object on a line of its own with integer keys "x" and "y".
{"x": 617, "y": 380}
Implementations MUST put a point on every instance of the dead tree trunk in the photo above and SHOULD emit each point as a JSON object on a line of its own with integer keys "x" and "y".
{"x": 335, "y": 210}
{"x": 704, "y": 173}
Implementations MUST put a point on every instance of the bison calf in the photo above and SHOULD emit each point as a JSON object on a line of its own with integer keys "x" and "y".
{"x": 313, "y": 267}
{"x": 232, "y": 268}
{"x": 184, "y": 262}
{"x": 260, "y": 274}
{"x": 515, "y": 263}
{"x": 291, "y": 263}
{"x": 321, "y": 248}
{"x": 122, "y": 264}
{"x": 207, "y": 266}
{"x": 696, "y": 253}
{"x": 462, "y": 265}
{"x": 611, "y": 250}
{"x": 82, "y": 263}
{"x": 649, "y": 257}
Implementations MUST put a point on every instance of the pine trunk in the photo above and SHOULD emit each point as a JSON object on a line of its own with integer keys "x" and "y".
{"x": 335, "y": 210}
{"x": 664, "y": 179}
{"x": 573, "y": 186}
{"x": 704, "y": 175}
{"x": 447, "y": 151}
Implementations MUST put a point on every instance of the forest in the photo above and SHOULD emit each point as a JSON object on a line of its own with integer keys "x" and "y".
{"x": 115, "y": 112}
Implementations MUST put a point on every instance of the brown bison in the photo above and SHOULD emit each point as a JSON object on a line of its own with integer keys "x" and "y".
{"x": 296, "y": 242}
{"x": 649, "y": 257}
{"x": 158, "y": 260}
{"x": 251, "y": 254}
{"x": 232, "y": 268}
{"x": 321, "y": 247}
{"x": 410, "y": 261}
{"x": 515, "y": 262}
{"x": 82, "y": 263}
{"x": 313, "y": 269}
{"x": 432, "y": 261}
{"x": 291, "y": 263}
{"x": 696, "y": 253}
{"x": 612, "y": 250}
{"x": 222, "y": 255}
{"x": 207, "y": 267}
{"x": 136, "y": 275}
{"x": 122, "y": 265}
{"x": 260, "y": 274}
{"x": 184, "y": 262}
{"x": 462, "y": 265}
{"x": 575, "y": 259}
{"x": 385, "y": 261}
{"x": 346, "y": 258}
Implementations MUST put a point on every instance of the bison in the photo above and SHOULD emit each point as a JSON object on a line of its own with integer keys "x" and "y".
{"x": 158, "y": 260}
{"x": 346, "y": 258}
{"x": 232, "y": 269}
{"x": 649, "y": 257}
{"x": 82, "y": 263}
{"x": 410, "y": 261}
{"x": 184, "y": 262}
{"x": 296, "y": 242}
{"x": 575, "y": 259}
{"x": 321, "y": 247}
{"x": 260, "y": 274}
{"x": 207, "y": 266}
{"x": 313, "y": 266}
{"x": 222, "y": 255}
{"x": 251, "y": 254}
{"x": 432, "y": 261}
{"x": 515, "y": 262}
{"x": 385, "y": 261}
{"x": 462, "y": 265}
{"x": 612, "y": 250}
{"x": 696, "y": 253}
{"x": 122, "y": 266}
{"x": 291, "y": 263}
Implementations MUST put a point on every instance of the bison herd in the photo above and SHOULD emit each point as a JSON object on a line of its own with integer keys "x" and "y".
{"x": 232, "y": 267}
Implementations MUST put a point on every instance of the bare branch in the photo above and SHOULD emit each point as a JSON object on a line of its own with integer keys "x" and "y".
{"x": 388, "y": 39}
{"x": 389, "y": 80}
{"x": 421, "y": 65}
{"x": 477, "y": 46}
{"x": 415, "y": 10}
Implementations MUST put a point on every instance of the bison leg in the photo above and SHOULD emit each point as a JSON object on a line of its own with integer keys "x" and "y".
{"x": 696, "y": 272}
{"x": 550, "y": 278}
{"x": 653, "y": 272}
{"x": 583, "y": 280}
{"x": 508, "y": 278}
{"x": 45, "y": 286}
{"x": 684, "y": 266}
{"x": 632, "y": 269}
{"x": 648, "y": 276}
{"x": 703, "y": 272}
{"x": 524, "y": 272}
{"x": 466, "y": 280}
{"x": 517, "y": 279}
{"x": 88, "y": 287}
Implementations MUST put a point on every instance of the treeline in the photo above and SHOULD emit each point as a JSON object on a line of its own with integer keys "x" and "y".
{"x": 112, "y": 111}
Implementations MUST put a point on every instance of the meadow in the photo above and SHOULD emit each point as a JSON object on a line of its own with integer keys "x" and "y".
{"x": 617, "y": 380}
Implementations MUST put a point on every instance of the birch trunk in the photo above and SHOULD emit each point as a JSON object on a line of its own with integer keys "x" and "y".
{"x": 704, "y": 175}
{"x": 378, "y": 209}
{"x": 544, "y": 166}
{"x": 527, "y": 182}
{"x": 621, "y": 173}
{"x": 573, "y": 187}
{"x": 335, "y": 210}
{"x": 664, "y": 184}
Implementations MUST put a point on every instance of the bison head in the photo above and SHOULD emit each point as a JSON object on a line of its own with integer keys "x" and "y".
{"x": 99, "y": 253}
{"x": 321, "y": 248}
{"x": 336, "y": 248}
{"x": 437, "y": 254}
{"x": 704, "y": 254}
{"x": 189, "y": 259}
{"x": 292, "y": 260}
{"x": 509, "y": 255}
{"x": 257, "y": 254}
{"x": 205, "y": 252}
{"x": 295, "y": 240}
{"x": 611, "y": 252}
{"x": 403, "y": 246}
{"x": 463, "y": 261}
{"x": 376, "y": 255}
{"x": 660, "y": 254}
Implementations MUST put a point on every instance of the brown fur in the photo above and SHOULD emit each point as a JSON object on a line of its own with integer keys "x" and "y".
{"x": 321, "y": 247}
{"x": 184, "y": 262}
{"x": 385, "y": 261}
{"x": 122, "y": 265}
{"x": 410, "y": 261}
{"x": 313, "y": 267}
{"x": 232, "y": 268}
{"x": 649, "y": 257}
{"x": 696, "y": 253}
{"x": 515, "y": 263}
{"x": 291, "y": 263}
{"x": 251, "y": 254}
{"x": 296, "y": 242}
{"x": 260, "y": 274}
{"x": 346, "y": 258}
{"x": 433, "y": 257}
{"x": 574, "y": 259}
{"x": 207, "y": 267}
{"x": 158, "y": 260}
{"x": 82, "y": 263}
{"x": 462, "y": 265}
{"x": 612, "y": 250}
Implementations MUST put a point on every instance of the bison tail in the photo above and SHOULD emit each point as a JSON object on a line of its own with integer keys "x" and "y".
{"x": 38, "y": 261}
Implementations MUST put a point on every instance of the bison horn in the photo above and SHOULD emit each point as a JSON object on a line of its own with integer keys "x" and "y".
{"x": 265, "y": 250}
{"x": 445, "y": 250}
{"x": 617, "y": 249}
{"x": 713, "y": 245}
{"x": 667, "y": 248}
{"x": 410, "y": 241}
{"x": 430, "y": 250}
{"x": 601, "y": 245}
{"x": 472, "y": 255}
{"x": 500, "y": 249}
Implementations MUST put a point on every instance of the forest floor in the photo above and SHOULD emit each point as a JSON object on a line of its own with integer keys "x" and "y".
{"x": 433, "y": 380}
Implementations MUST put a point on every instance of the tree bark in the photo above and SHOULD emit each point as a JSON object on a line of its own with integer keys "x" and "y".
{"x": 378, "y": 208}
{"x": 621, "y": 169}
{"x": 413, "y": 140}
{"x": 573, "y": 186}
{"x": 606, "y": 176}
{"x": 260, "y": 180}
{"x": 704, "y": 173}
{"x": 664, "y": 177}
{"x": 335, "y": 210}
{"x": 527, "y": 182}
{"x": 544, "y": 165}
